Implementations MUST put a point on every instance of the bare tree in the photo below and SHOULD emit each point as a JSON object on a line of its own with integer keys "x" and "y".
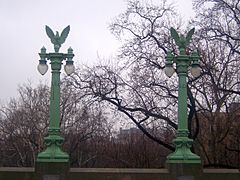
{"x": 137, "y": 87}
{"x": 218, "y": 88}
{"x": 24, "y": 123}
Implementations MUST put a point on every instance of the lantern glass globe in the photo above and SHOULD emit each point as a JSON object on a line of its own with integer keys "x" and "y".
{"x": 42, "y": 68}
{"x": 169, "y": 70}
{"x": 195, "y": 71}
{"x": 69, "y": 69}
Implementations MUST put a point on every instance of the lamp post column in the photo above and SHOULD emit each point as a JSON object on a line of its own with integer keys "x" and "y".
{"x": 56, "y": 62}
{"x": 182, "y": 64}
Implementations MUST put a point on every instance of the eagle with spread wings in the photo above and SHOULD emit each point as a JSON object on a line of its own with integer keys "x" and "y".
{"x": 56, "y": 39}
{"x": 181, "y": 41}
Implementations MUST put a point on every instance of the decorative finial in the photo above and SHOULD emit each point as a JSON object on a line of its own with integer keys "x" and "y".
{"x": 43, "y": 50}
{"x": 56, "y": 39}
{"x": 70, "y": 50}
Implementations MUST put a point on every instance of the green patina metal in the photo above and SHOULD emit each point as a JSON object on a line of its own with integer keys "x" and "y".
{"x": 181, "y": 41}
{"x": 56, "y": 39}
{"x": 53, "y": 142}
{"x": 183, "y": 144}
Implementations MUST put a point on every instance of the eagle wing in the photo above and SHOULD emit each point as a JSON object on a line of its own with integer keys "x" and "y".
{"x": 175, "y": 35}
{"x": 64, "y": 34}
{"x": 50, "y": 34}
{"x": 189, "y": 36}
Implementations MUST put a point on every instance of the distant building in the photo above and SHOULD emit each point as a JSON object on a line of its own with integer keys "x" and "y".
{"x": 131, "y": 134}
{"x": 218, "y": 136}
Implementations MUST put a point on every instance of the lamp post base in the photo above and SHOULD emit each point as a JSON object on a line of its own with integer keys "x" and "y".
{"x": 181, "y": 171}
{"x": 183, "y": 153}
{"x": 53, "y": 152}
{"x": 51, "y": 170}
{"x": 183, "y": 164}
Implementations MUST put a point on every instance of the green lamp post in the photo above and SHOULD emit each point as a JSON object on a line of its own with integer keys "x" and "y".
{"x": 53, "y": 141}
{"x": 182, "y": 143}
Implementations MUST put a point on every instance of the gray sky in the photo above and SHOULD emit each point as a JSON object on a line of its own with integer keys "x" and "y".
{"x": 22, "y": 34}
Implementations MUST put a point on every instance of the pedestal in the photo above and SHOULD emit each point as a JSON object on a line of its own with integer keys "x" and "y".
{"x": 181, "y": 171}
{"x": 51, "y": 171}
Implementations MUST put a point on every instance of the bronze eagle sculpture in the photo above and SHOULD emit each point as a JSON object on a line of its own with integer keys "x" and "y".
{"x": 56, "y": 39}
{"x": 181, "y": 41}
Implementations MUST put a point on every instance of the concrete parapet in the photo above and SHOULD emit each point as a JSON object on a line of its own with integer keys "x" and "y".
{"x": 177, "y": 172}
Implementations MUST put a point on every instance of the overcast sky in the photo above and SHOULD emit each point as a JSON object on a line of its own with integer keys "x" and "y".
{"x": 22, "y": 34}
